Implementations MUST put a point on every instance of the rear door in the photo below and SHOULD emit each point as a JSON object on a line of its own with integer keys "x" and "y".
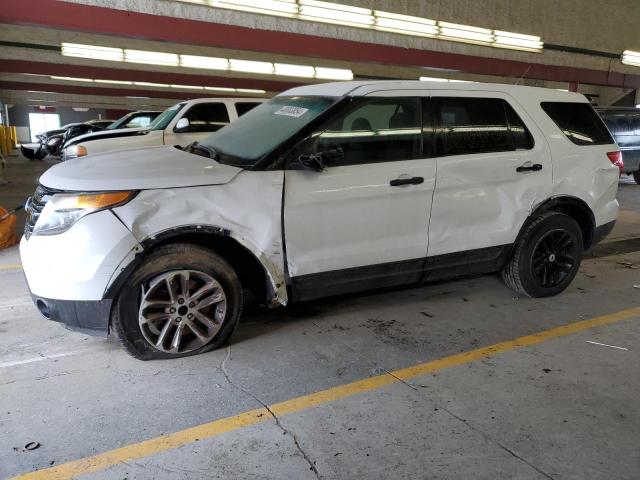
{"x": 493, "y": 166}
{"x": 363, "y": 221}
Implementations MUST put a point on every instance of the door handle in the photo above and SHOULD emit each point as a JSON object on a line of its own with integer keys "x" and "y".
{"x": 406, "y": 181}
{"x": 536, "y": 167}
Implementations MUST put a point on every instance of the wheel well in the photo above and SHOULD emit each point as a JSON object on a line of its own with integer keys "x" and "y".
{"x": 251, "y": 273}
{"x": 576, "y": 209}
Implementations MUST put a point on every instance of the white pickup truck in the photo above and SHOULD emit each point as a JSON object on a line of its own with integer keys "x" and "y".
{"x": 181, "y": 124}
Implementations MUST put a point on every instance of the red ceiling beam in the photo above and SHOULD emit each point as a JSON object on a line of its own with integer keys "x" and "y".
{"x": 104, "y": 73}
{"x": 100, "y": 20}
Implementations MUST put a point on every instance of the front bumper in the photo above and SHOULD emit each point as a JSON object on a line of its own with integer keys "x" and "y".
{"x": 68, "y": 274}
{"x": 90, "y": 317}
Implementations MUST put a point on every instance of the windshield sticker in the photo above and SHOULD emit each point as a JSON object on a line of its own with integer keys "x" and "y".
{"x": 290, "y": 111}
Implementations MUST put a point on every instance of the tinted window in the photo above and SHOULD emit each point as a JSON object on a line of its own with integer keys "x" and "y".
{"x": 244, "y": 107}
{"x": 521, "y": 139}
{"x": 579, "y": 122}
{"x": 472, "y": 125}
{"x": 376, "y": 130}
{"x": 207, "y": 117}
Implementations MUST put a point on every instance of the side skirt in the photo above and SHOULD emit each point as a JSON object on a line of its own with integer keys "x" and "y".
{"x": 406, "y": 272}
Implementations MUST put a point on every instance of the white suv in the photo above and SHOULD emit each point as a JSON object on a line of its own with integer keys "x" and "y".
{"x": 181, "y": 124}
{"x": 322, "y": 190}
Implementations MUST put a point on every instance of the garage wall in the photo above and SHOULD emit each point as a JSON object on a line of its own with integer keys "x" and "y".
{"x": 19, "y": 117}
{"x": 19, "y": 114}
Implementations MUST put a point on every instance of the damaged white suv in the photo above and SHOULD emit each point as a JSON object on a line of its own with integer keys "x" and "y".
{"x": 322, "y": 190}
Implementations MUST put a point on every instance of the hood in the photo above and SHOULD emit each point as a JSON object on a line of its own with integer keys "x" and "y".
{"x": 120, "y": 132}
{"x": 137, "y": 169}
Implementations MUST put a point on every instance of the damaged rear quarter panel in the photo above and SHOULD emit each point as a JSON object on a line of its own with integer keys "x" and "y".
{"x": 248, "y": 209}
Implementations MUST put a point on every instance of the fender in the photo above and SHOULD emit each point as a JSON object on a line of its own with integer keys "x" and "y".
{"x": 574, "y": 207}
{"x": 276, "y": 287}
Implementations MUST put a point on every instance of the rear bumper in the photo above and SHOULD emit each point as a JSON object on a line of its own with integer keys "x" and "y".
{"x": 90, "y": 317}
{"x": 601, "y": 232}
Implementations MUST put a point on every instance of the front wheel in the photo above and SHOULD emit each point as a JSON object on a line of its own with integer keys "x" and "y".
{"x": 636, "y": 177}
{"x": 183, "y": 300}
{"x": 547, "y": 256}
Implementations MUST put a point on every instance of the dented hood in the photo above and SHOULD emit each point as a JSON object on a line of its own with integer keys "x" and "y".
{"x": 137, "y": 169}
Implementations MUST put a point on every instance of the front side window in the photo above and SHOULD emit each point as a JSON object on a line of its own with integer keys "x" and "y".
{"x": 261, "y": 130}
{"x": 579, "y": 122}
{"x": 206, "y": 117}
{"x": 472, "y": 125}
{"x": 375, "y": 130}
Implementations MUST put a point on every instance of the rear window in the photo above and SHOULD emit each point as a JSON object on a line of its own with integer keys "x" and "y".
{"x": 579, "y": 122}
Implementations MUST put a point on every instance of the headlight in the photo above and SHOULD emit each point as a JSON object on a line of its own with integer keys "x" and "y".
{"x": 63, "y": 210}
{"x": 75, "y": 151}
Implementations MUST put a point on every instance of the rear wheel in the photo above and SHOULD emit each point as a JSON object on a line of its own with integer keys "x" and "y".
{"x": 182, "y": 301}
{"x": 547, "y": 256}
{"x": 636, "y": 177}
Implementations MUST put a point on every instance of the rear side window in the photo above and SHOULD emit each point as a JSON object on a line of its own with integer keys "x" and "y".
{"x": 521, "y": 139}
{"x": 207, "y": 117}
{"x": 472, "y": 125}
{"x": 244, "y": 107}
{"x": 579, "y": 122}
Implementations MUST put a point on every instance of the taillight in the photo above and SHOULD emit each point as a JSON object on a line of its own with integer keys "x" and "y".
{"x": 616, "y": 159}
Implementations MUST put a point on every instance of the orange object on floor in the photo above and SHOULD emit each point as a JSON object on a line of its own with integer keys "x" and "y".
{"x": 8, "y": 236}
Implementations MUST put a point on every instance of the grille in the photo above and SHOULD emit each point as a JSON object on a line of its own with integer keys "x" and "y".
{"x": 34, "y": 207}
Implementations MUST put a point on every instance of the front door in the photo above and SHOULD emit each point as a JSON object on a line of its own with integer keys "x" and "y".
{"x": 363, "y": 221}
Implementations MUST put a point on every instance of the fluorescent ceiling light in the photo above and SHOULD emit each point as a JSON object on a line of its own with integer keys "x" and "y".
{"x": 630, "y": 57}
{"x": 405, "y": 24}
{"x": 151, "y": 84}
{"x": 340, "y": 14}
{"x": 71, "y": 79}
{"x": 92, "y": 52}
{"x": 250, "y": 66}
{"x": 288, "y": 70}
{"x": 151, "y": 58}
{"x": 211, "y": 63}
{"x": 40, "y": 91}
{"x": 137, "y": 98}
{"x": 336, "y": 13}
{"x": 287, "y": 8}
{"x": 465, "y": 32}
{"x": 40, "y": 100}
{"x": 114, "y": 82}
{"x": 444, "y": 80}
{"x": 163, "y": 85}
{"x": 187, "y": 87}
{"x": 333, "y": 73}
{"x": 250, "y": 90}
{"x": 220, "y": 89}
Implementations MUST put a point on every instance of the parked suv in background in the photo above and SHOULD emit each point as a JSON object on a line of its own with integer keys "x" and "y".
{"x": 180, "y": 124}
{"x": 323, "y": 190}
{"x": 624, "y": 124}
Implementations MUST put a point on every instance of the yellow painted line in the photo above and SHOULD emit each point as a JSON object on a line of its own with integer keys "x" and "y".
{"x": 10, "y": 267}
{"x": 152, "y": 446}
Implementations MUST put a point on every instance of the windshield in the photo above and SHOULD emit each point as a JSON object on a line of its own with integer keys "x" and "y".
{"x": 258, "y": 132}
{"x": 162, "y": 120}
{"x": 119, "y": 122}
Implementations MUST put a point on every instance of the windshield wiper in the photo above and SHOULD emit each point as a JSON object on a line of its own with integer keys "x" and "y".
{"x": 202, "y": 150}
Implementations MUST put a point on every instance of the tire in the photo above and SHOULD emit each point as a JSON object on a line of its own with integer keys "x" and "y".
{"x": 546, "y": 257}
{"x": 140, "y": 327}
{"x": 636, "y": 177}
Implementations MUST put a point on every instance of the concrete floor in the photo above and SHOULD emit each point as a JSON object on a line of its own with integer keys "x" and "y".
{"x": 562, "y": 408}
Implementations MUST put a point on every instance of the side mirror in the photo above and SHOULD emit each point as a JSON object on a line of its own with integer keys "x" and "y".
{"x": 182, "y": 125}
{"x": 320, "y": 160}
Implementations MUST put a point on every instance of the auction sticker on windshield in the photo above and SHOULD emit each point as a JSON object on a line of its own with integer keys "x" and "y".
{"x": 291, "y": 111}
